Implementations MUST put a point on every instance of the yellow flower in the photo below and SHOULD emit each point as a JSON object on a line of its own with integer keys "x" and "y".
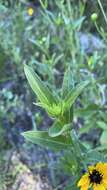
{"x": 96, "y": 177}
{"x": 30, "y": 11}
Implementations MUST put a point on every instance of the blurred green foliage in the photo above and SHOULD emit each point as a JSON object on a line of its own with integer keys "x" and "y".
{"x": 59, "y": 41}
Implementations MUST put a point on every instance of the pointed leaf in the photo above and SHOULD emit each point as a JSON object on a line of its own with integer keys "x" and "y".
{"x": 42, "y": 91}
{"x": 77, "y": 23}
{"x": 42, "y": 138}
{"x": 73, "y": 94}
{"x": 68, "y": 82}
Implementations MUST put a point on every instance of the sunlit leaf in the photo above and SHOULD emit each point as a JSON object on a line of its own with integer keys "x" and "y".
{"x": 42, "y": 91}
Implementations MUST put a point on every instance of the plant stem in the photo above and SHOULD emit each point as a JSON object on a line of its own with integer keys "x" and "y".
{"x": 69, "y": 9}
{"x": 101, "y": 7}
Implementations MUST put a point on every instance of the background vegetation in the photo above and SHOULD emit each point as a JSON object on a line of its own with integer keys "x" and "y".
{"x": 59, "y": 40}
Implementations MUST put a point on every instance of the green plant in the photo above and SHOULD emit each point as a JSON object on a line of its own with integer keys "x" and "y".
{"x": 70, "y": 100}
{"x": 50, "y": 41}
{"x": 61, "y": 135}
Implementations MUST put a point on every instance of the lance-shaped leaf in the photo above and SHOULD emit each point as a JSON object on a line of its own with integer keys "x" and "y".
{"x": 42, "y": 138}
{"x": 44, "y": 95}
{"x": 68, "y": 82}
{"x": 73, "y": 94}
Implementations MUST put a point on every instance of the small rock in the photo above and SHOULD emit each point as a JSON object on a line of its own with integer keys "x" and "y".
{"x": 25, "y": 179}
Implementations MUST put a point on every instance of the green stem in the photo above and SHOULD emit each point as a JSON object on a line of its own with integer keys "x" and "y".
{"x": 69, "y": 9}
{"x": 101, "y": 7}
{"x": 99, "y": 31}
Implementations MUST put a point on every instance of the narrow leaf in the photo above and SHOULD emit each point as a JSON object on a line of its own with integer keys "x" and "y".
{"x": 73, "y": 94}
{"x": 42, "y": 91}
{"x": 42, "y": 138}
{"x": 68, "y": 82}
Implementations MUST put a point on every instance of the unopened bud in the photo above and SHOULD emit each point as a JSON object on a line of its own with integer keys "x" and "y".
{"x": 94, "y": 17}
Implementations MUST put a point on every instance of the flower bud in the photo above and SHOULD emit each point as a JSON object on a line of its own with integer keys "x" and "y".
{"x": 94, "y": 17}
